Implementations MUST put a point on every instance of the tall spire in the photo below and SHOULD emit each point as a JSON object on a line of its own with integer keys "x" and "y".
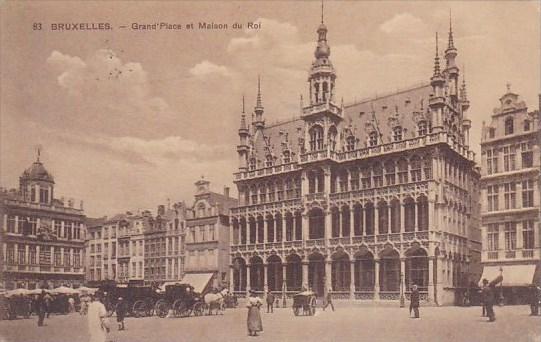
{"x": 258, "y": 103}
{"x": 463, "y": 92}
{"x": 451, "y": 44}
{"x": 322, "y": 11}
{"x": 437, "y": 59}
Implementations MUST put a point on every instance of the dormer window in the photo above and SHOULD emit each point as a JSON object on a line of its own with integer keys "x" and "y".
{"x": 509, "y": 126}
{"x": 252, "y": 164}
{"x": 350, "y": 143}
{"x": 422, "y": 128}
{"x": 287, "y": 157}
{"x": 268, "y": 160}
{"x": 491, "y": 132}
{"x": 397, "y": 133}
{"x": 373, "y": 139}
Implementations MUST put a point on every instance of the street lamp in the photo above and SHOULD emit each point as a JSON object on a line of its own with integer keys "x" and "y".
{"x": 402, "y": 299}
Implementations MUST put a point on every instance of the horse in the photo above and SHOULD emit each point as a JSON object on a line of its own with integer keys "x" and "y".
{"x": 216, "y": 300}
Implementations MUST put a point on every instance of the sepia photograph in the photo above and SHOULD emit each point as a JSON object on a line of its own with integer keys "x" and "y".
{"x": 296, "y": 171}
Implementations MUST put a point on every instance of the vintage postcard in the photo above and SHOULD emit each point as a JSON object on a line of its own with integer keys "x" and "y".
{"x": 270, "y": 170}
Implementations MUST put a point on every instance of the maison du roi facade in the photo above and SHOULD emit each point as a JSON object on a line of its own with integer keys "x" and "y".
{"x": 42, "y": 237}
{"x": 510, "y": 190}
{"x": 362, "y": 200}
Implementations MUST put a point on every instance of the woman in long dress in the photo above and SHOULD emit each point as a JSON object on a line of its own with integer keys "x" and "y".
{"x": 254, "y": 317}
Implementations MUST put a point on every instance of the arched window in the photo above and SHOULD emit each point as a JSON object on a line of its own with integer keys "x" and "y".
{"x": 262, "y": 193}
{"x": 268, "y": 160}
{"x": 421, "y": 128}
{"x": 325, "y": 91}
{"x": 366, "y": 180}
{"x": 373, "y": 138}
{"x": 332, "y": 137}
{"x": 409, "y": 212}
{"x": 270, "y": 186}
{"x": 526, "y": 125}
{"x": 397, "y": 133}
{"x": 395, "y": 216}
{"x": 350, "y": 143}
{"x": 383, "y": 218}
{"x": 427, "y": 167}
{"x": 422, "y": 213}
{"x": 369, "y": 218}
{"x": 335, "y": 222}
{"x": 316, "y": 138}
{"x": 509, "y": 126}
{"x": 316, "y": 224}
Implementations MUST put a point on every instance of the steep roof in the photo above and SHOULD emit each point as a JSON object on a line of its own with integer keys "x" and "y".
{"x": 37, "y": 171}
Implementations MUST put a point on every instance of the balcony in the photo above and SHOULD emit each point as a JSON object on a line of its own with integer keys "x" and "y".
{"x": 492, "y": 255}
{"x": 510, "y": 254}
{"x": 315, "y": 242}
{"x": 527, "y": 253}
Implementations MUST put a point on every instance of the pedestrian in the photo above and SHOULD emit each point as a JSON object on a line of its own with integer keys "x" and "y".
{"x": 98, "y": 326}
{"x": 414, "y": 301}
{"x": 483, "y": 300}
{"x": 48, "y": 303}
{"x": 270, "y": 302}
{"x": 534, "y": 300}
{"x": 120, "y": 310}
{"x": 41, "y": 306}
{"x": 71, "y": 303}
{"x": 254, "y": 317}
{"x": 328, "y": 301}
{"x": 488, "y": 295}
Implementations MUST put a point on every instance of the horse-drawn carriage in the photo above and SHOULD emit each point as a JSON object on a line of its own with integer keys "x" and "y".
{"x": 304, "y": 303}
{"x": 179, "y": 300}
{"x": 139, "y": 300}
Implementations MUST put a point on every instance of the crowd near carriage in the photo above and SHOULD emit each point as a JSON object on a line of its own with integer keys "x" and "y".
{"x": 139, "y": 300}
{"x": 304, "y": 303}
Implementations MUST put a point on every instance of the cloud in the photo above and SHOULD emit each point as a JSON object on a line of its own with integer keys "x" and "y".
{"x": 403, "y": 23}
{"x": 207, "y": 68}
{"x": 104, "y": 93}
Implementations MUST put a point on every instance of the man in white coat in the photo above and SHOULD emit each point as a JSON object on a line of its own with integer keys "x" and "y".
{"x": 98, "y": 326}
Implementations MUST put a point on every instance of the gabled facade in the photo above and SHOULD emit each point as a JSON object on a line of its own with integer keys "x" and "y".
{"x": 510, "y": 186}
{"x": 360, "y": 200}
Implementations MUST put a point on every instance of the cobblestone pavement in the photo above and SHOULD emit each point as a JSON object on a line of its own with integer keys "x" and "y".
{"x": 347, "y": 323}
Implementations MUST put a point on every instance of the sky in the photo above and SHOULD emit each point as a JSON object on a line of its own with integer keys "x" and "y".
{"x": 127, "y": 119}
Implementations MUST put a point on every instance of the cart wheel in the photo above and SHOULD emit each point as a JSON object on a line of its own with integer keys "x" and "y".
{"x": 296, "y": 310}
{"x": 180, "y": 309}
{"x": 313, "y": 303}
{"x": 161, "y": 308}
{"x": 139, "y": 309}
{"x": 199, "y": 309}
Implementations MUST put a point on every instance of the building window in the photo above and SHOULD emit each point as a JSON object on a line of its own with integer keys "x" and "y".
{"x": 397, "y": 133}
{"x": 510, "y": 195}
{"x": 354, "y": 181}
{"x": 415, "y": 169}
{"x": 366, "y": 178}
{"x": 378, "y": 175}
{"x": 390, "y": 173}
{"x": 492, "y": 196}
{"x": 287, "y": 157}
{"x": 491, "y": 132}
{"x": 373, "y": 139}
{"x": 509, "y": 126}
{"x": 252, "y": 164}
{"x": 493, "y": 234}
{"x": 350, "y": 143}
{"x": 492, "y": 161}
{"x": 268, "y": 160}
{"x": 402, "y": 171}
{"x": 527, "y": 154}
{"x": 44, "y": 195}
{"x": 32, "y": 255}
{"x": 528, "y": 235}
{"x": 316, "y": 138}
{"x": 510, "y": 236}
{"x": 509, "y": 158}
{"x": 262, "y": 193}
{"x": 421, "y": 128}
{"x": 21, "y": 257}
{"x": 526, "y": 125}
{"x": 527, "y": 193}
{"x": 427, "y": 166}
{"x": 11, "y": 224}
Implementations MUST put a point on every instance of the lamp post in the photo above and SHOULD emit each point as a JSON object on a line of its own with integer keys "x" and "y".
{"x": 402, "y": 299}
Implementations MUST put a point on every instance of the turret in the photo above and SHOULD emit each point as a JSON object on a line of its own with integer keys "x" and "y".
{"x": 437, "y": 99}
{"x": 451, "y": 70}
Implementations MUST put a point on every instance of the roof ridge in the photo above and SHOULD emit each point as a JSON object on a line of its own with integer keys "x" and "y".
{"x": 389, "y": 94}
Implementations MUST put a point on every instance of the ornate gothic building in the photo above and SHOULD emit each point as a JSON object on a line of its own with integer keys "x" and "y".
{"x": 362, "y": 200}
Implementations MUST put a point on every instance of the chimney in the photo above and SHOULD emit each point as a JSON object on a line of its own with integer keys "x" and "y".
{"x": 226, "y": 191}
{"x": 81, "y": 205}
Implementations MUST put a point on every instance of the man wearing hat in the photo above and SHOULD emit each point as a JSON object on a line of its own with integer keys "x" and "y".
{"x": 414, "y": 300}
{"x": 120, "y": 310}
{"x": 488, "y": 298}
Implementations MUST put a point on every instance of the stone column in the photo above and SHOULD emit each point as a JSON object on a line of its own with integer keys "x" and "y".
{"x": 247, "y": 226}
{"x": 265, "y": 278}
{"x": 351, "y": 221}
{"x": 304, "y": 183}
{"x": 415, "y": 213}
{"x": 265, "y": 230}
{"x": 27, "y": 254}
{"x": 340, "y": 223}
{"x": 16, "y": 224}
{"x": 328, "y": 276}
{"x": 62, "y": 231}
{"x": 352, "y": 280}
{"x": 37, "y": 254}
{"x": 431, "y": 292}
{"x": 328, "y": 224}
{"x": 363, "y": 220}
{"x": 376, "y": 279}
{"x": 232, "y": 279}
{"x": 376, "y": 219}
{"x": 256, "y": 231}
{"x": 284, "y": 273}
{"x": 284, "y": 228}
{"x": 520, "y": 242}
{"x": 248, "y": 280}
{"x": 439, "y": 280}
{"x": 62, "y": 256}
{"x": 5, "y": 222}
{"x": 402, "y": 217}
{"x": 431, "y": 214}
{"x": 305, "y": 227}
{"x": 403, "y": 272}
{"x": 305, "y": 274}
{"x": 231, "y": 235}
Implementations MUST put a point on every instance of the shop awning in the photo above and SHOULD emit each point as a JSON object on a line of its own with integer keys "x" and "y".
{"x": 513, "y": 275}
{"x": 199, "y": 281}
